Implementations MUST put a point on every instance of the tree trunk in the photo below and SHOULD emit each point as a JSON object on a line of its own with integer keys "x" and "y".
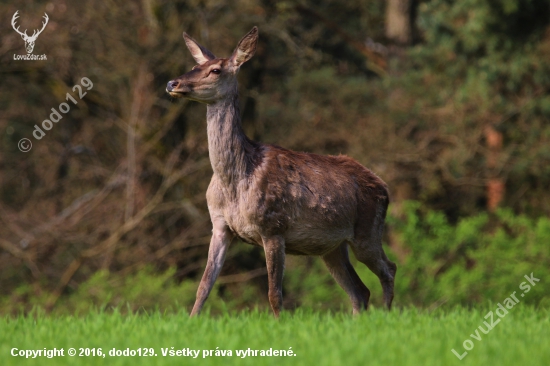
{"x": 399, "y": 21}
{"x": 495, "y": 185}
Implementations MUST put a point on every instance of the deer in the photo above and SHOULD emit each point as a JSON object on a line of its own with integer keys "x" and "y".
{"x": 29, "y": 41}
{"x": 287, "y": 202}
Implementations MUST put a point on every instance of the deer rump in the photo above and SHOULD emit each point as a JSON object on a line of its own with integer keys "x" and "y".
{"x": 314, "y": 202}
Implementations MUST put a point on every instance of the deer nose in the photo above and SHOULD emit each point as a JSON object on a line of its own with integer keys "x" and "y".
{"x": 172, "y": 84}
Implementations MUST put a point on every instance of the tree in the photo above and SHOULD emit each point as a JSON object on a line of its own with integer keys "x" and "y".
{"x": 399, "y": 21}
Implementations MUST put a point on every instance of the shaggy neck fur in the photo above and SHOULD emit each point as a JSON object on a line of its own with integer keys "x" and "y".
{"x": 232, "y": 154}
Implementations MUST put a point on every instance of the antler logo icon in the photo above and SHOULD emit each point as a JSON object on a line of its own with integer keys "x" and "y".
{"x": 29, "y": 40}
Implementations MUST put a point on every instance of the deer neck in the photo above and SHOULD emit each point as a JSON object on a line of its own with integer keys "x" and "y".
{"x": 231, "y": 152}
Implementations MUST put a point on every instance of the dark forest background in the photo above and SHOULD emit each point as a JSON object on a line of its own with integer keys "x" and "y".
{"x": 447, "y": 101}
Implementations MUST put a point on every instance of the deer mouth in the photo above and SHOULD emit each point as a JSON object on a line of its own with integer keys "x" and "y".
{"x": 176, "y": 89}
{"x": 176, "y": 94}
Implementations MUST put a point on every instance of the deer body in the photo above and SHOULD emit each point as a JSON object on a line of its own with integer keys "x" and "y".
{"x": 284, "y": 201}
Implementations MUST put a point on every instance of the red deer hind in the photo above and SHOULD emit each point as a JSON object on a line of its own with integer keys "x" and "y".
{"x": 284, "y": 201}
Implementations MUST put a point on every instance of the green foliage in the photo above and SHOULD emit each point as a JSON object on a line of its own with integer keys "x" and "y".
{"x": 481, "y": 258}
{"x": 407, "y": 337}
{"x": 481, "y": 63}
{"x": 493, "y": 42}
{"x": 145, "y": 290}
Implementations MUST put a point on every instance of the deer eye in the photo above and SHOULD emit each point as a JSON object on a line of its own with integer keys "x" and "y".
{"x": 216, "y": 71}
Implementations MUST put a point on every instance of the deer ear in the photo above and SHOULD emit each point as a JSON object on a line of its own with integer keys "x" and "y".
{"x": 199, "y": 53}
{"x": 245, "y": 49}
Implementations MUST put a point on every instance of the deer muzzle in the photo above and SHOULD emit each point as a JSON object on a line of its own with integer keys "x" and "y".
{"x": 177, "y": 89}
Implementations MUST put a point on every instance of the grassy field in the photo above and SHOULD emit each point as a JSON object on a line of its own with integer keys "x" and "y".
{"x": 400, "y": 337}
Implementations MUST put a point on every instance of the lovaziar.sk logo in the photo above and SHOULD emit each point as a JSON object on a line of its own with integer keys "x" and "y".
{"x": 29, "y": 40}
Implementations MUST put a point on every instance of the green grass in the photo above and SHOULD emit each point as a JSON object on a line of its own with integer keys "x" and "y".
{"x": 400, "y": 337}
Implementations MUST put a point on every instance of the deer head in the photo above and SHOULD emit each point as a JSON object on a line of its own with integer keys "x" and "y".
{"x": 212, "y": 78}
{"x": 29, "y": 40}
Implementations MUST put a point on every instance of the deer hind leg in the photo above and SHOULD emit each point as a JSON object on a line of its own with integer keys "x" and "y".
{"x": 367, "y": 247}
{"x": 385, "y": 269}
{"x": 343, "y": 272}
{"x": 381, "y": 266}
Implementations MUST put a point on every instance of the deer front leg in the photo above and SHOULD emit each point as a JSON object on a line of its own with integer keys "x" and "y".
{"x": 274, "y": 248}
{"x": 221, "y": 238}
